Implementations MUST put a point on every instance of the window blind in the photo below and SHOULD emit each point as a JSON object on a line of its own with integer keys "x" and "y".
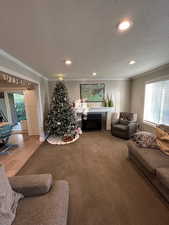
{"x": 156, "y": 107}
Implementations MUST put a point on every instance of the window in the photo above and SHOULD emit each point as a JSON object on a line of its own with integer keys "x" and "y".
{"x": 156, "y": 107}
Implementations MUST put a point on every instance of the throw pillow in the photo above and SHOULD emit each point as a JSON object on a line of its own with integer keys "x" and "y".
{"x": 163, "y": 140}
{"x": 8, "y": 199}
{"x": 145, "y": 139}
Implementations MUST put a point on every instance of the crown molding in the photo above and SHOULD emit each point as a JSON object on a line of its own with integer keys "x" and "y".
{"x": 103, "y": 79}
{"x": 148, "y": 72}
{"x": 20, "y": 63}
{"x": 14, "y": 73}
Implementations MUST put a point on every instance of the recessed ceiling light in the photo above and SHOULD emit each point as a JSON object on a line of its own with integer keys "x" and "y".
{"x": 68, "y": 62}
{"x": 94, "y": 73}
{"x": 124, "y": 25}
{"x": 60, "y": 76}
{"x": 132, "y": 62}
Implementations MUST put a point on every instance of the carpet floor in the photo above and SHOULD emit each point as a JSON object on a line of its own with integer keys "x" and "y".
{"x": 105, "y": 188}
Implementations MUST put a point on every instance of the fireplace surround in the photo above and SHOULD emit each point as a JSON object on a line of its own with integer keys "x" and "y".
{"x": 93, "y": 121}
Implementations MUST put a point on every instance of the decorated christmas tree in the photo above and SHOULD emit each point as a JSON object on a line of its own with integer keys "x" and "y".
{"x": 61, "y": 122}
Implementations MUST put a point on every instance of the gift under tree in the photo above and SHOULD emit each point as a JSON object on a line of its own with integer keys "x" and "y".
{"x": 61, "y": 121}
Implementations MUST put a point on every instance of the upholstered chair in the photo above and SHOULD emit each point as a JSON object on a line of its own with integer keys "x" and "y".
{"x": 124, "y": 124}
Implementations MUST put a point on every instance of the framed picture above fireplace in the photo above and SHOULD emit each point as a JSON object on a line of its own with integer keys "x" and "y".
{"x": 92, "y": 92}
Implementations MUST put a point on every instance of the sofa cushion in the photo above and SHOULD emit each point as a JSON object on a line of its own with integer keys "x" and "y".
{"x": 163, "y": 176}
{"x": 8, "y": 199}
{"x": 32, "y": 185}
{"x": 123, "y": 121}
{"x": 150, "y": 158}
{"x": 120, "y": 127}
{"x": 48, "y": 209}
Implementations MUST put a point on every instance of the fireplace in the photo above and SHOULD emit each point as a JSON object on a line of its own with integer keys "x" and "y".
{"x": 93, "y": 121}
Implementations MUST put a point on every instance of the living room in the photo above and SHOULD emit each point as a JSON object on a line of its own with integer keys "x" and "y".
{"x": 93, "y": 79}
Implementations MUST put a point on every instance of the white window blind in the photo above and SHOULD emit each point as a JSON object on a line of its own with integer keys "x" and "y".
{"x": 156, "y": 107}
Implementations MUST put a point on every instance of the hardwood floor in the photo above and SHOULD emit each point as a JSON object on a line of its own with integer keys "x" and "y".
{"x": 16, "y": 158}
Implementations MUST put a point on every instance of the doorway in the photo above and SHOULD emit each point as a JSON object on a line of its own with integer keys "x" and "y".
{"x": 21, "y": 109}
{"x": 20, "y": 104}
{"x": 19, "y": 112}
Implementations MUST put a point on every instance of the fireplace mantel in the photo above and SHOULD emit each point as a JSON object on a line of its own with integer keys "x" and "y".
{"x": 101, "y": 109}
{"x": 107, "y": 111}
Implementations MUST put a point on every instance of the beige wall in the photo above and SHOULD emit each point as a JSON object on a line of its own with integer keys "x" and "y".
{"x": 120, "y": 90}
{"x": 138, "y": 90}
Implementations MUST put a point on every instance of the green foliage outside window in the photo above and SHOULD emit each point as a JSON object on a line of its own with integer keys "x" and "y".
{"x": 20, "y": 106}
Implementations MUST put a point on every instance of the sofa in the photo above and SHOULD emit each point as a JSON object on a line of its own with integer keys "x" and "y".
{"x": 124, "y": 125}
{"x": 45, "y": 201}
{"x": 153, "y": 163}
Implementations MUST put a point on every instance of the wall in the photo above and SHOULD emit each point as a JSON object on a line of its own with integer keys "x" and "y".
{"x": 120, "y": 90}
{"x": 138, "y": 90}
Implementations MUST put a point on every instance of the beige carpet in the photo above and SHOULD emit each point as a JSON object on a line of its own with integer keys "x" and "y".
{"x": 105, "y": 188}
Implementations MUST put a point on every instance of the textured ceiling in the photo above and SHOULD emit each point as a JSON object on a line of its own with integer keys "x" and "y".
{"x": 43, "y": 33}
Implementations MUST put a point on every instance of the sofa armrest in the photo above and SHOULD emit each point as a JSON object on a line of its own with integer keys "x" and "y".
{"x": 130, "y": 145}
{"x": 115, "y": 118}
{"x": 114, "y": 122}
{"x": 31, "y": 185}
{"x": 132, "y": 123}
{"x": 132, "y": 126}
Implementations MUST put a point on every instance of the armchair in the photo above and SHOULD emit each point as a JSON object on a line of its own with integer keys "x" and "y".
{"x": 124, "y": 125}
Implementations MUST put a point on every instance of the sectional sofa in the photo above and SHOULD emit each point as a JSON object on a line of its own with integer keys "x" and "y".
{"x": 45, "y": 200}
{"x": 153, "y": 163}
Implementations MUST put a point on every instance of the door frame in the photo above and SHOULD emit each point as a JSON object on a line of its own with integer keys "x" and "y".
{"x": 38, "y": 89}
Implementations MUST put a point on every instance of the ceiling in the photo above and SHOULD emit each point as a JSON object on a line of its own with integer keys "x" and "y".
{"x": 43, "y": 33}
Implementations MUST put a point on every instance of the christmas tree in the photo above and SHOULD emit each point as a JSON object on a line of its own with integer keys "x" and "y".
{"x": 61, "y": 118}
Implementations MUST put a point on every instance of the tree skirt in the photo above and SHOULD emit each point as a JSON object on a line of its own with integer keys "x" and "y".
{"x": 58, "y": 140}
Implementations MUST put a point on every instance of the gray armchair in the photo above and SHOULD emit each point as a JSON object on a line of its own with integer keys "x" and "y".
{"x": 124, "y": 125}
